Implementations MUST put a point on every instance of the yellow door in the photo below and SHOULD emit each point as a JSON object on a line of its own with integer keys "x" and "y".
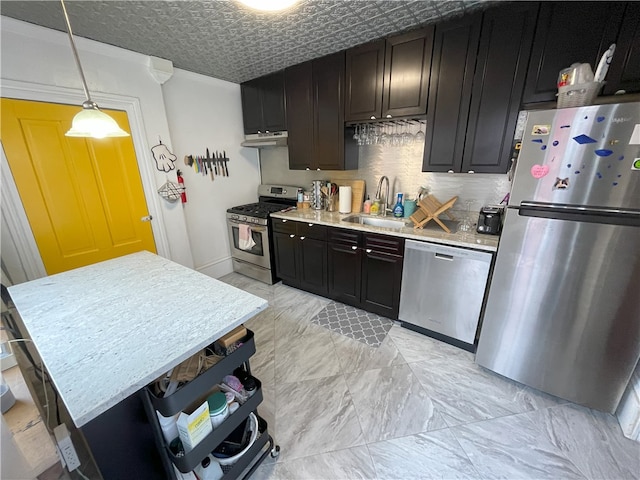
{"x": 83, "y": 197}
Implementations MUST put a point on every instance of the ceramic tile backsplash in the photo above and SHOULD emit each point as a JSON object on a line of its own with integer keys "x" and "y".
{"x": 403, "y": 166}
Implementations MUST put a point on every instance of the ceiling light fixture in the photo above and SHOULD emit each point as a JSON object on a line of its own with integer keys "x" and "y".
{"x": 90, "y": 122}
{"x": 269, "y": 5}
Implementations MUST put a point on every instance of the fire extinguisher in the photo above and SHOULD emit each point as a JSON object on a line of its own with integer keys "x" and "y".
{"x": 183, "y": 194}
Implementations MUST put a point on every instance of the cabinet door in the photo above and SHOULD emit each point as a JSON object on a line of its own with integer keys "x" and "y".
{"x": 273, "y": 113}
{"x": 406, "y": 77}
{"x": 503, "y": 56}
{"x": 251, "y": 107}
{"x": 285, "y": 256}
{"x": 328, "y": 105}
{"x": 567, "y": 33}
{"x": 381, "y": 279}
{"x": 452, "y": 68}
{"x": 382, "y": 274}
{"x": 364, "y": 72}
{"x": 624, "y": 71}
{"x": 313, "y": 265}
{"x": 345, "y": 261}
{"x": 299, "y": 106}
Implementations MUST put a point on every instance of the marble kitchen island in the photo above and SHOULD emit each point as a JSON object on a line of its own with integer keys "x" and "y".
{"x": 107, "y": 330}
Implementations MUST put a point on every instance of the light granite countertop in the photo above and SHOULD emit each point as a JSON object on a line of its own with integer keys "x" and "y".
{"x": 106, "y": 330}
{"x": 431, "y": 233}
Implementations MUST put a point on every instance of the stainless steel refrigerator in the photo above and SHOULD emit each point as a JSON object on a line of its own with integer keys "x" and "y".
{"x": 563, "y": 311}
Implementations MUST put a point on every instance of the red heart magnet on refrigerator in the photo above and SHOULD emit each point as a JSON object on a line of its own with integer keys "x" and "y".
{"x": 539, "y": 171}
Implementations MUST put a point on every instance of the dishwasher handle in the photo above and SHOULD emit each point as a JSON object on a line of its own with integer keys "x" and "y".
{"x": 447, "y": 252}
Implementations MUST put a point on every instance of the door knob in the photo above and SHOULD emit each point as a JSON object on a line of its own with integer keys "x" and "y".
{"x": 146, "y": 218}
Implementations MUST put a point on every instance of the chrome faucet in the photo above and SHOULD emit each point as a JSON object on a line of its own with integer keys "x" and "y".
{"x": 384, "y": 203}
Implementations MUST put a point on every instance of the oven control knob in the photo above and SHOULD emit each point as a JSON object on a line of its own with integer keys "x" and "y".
{"x": 234, "y": 216}
{"x": 244, "y": 219}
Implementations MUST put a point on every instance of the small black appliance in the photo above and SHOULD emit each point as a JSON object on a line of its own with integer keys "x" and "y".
{"x": 490, "y": 220}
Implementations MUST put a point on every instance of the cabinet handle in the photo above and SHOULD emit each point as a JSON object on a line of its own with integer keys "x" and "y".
{"x": 471, "y": 171}
{"x": 373, "y": 117}
{"x": 291, "y": 236}
{"x": 368, "y": 250}
{"x": 302, "y": 238}
{"x": 266, "y": 131}
{"x": 317, "y": 169}
{"x": 388, "y": 116}
{"x": 354, "y": 247}
{"x": 284, "y": 221}
{"x": 307, "y": 169}
{"x": 450, "y": 171}
{"x": 259, "y": 131}
{"x": 311, "y": 224}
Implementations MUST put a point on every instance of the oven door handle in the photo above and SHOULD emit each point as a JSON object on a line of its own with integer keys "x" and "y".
{"x": 254, "y": 227}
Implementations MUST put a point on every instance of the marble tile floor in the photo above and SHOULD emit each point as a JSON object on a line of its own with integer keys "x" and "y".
{"x": 412, "y": 408}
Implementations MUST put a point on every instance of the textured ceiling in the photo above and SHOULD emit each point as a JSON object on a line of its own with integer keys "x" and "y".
{"x": 223, "y": 39}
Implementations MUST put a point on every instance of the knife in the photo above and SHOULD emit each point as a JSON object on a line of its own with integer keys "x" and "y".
{"x": 226, "y": 166}
{"x": 215, "y": 163}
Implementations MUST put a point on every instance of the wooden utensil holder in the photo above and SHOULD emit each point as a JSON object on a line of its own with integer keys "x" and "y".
{"x": 429, "y": 208}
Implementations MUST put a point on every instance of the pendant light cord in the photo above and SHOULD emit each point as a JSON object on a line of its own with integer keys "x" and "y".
{"x": 77, "y": 58}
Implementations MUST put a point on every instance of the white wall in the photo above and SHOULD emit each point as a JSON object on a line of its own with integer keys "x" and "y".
{"x": 205, "y": 112}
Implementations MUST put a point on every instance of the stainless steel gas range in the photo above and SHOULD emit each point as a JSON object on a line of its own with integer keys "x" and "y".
{"x": 249, "y": 228}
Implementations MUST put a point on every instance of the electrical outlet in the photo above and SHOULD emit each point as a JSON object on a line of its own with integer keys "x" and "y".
{"x": 66, "y": 446}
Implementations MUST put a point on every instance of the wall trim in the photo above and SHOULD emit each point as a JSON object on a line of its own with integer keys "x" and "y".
{"x": 217, "y": 269}
{"x": 55, "y": 94}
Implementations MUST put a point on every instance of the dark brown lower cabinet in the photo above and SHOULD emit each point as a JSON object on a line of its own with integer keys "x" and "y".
{"x": 345, "y": 259}
{"x": 360, "y": 269}
{"x": 301, "y": 255}
{"x": 365, "y": 270}
{"x": 382, "y": 275}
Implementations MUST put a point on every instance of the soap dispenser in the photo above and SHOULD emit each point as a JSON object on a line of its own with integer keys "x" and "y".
{"x": 367, "y": 205}
{"x": 398, "y": 210}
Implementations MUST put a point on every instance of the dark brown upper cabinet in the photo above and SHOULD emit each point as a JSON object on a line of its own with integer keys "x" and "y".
{"x": 567, "y": 33}
{"x": 478, "y": 73}
{"x": 263, "y": 108}
{"x": 455, "y": 49}
{"x": 315, "y": 109}
{"x": 624, "y": 71}
{"x": 501, "y": 68}
{"x": 406, "y": 73}
{"x": 364, "y": 77}
{"x": 389, "y": 78}
{"x": 299, "y": 101}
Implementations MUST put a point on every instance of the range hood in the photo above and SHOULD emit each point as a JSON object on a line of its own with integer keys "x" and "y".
{"x": 269, "y": 139}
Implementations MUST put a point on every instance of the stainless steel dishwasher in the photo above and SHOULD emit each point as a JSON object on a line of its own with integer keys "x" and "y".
{"x": 443, "y": 290}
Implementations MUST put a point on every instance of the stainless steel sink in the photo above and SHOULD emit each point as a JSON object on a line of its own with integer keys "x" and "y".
{"x": 376, "y": 221}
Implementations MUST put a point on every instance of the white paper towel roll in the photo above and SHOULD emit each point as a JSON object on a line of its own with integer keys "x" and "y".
{"x": 345, "y": 199}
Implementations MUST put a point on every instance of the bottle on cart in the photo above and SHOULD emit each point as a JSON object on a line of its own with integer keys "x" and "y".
{"x": 398, "y": 210}
{"x": 209, "y": 469}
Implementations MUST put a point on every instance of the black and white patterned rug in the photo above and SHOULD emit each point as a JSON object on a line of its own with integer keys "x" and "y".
{"x": 365, "y": 327}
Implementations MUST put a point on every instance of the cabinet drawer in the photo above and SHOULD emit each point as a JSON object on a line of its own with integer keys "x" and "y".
{"x": 312, "y": 230}
{"x": 284, "y": 226}
{"x": 384, "y": 244}
{"x": 344, "y": 237}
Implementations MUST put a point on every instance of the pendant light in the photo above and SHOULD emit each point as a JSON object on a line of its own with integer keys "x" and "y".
{"x": 90, "y": 122}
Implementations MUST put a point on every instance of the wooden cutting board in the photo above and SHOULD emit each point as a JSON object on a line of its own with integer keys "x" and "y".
{"x": 357, "y": 193}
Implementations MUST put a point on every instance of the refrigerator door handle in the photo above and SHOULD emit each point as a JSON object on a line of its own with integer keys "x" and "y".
{"x": 574, "y": 213}
{"x": 576, "y": 208}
